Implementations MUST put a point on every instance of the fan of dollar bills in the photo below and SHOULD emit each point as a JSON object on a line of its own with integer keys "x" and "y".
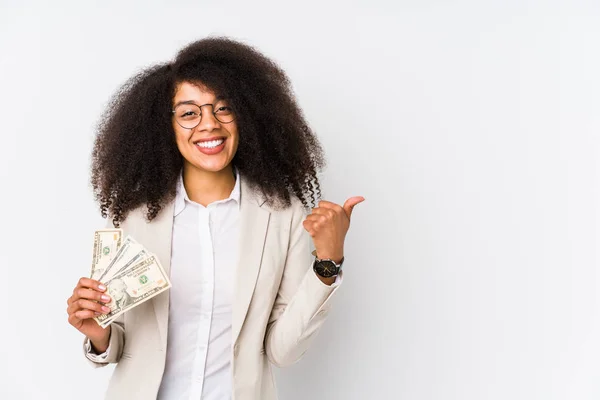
{"x": 131, "y": 273}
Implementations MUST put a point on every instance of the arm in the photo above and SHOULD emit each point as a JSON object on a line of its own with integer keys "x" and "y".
{"x": 113, "y": 352}
{"x": 302, "y": 302}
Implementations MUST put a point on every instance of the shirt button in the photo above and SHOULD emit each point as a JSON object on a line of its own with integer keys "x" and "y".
{"x": 236, "y": 350}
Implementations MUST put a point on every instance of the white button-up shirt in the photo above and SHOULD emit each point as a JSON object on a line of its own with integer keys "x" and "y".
{"x": 204, "y": 253}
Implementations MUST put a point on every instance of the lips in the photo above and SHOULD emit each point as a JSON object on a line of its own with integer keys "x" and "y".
{"x": 210, "y": 146}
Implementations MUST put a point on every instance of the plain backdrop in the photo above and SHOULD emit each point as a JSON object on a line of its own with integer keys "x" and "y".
{"x": 470, "y": 127}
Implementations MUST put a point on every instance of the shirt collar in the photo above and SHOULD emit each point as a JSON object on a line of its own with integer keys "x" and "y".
{"x": 181, "y": 198}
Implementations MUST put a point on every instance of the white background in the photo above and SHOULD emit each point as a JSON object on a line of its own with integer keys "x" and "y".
{"x": 470, "y": 127}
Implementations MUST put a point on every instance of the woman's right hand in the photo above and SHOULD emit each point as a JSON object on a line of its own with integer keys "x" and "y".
{"x": 88, "y": 301}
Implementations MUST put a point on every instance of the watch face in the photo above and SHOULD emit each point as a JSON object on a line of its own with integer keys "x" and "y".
{"x": 326, "y": 269}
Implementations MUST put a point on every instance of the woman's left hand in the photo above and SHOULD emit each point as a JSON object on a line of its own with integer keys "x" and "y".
{"x": 328, "y": 224}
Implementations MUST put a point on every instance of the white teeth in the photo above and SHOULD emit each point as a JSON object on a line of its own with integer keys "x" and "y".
{"x": 211, "y": 144}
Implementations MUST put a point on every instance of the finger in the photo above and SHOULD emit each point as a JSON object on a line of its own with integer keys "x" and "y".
{"x": 85, "y": 314}
{"x": 73, "y": 308}
{"x": 91, "y": 294}
{"x": 91, "y": 284}
{"x": 308, "y": 226}
{"x": 350, "y": 203}
{"x": 78, "y": 303}
{"x": 328, "y": 212}
{"x": 92, "y": 305}
{"x": 316, "y": 218}
{"x": 329, "y": 205}
{"x": 73, "y": 320}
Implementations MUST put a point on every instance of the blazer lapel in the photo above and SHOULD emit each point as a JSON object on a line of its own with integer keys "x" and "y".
{"x": 157, "y": 236}
{"x": 252, "y": 230}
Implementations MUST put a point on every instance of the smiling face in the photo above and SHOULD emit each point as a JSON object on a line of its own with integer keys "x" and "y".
{"x": 211, "y": 145}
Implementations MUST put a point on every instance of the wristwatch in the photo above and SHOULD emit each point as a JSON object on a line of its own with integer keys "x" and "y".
{"x": 326, "y": 267}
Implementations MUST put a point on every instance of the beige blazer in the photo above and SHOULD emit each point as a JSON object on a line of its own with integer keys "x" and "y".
{"x": 279, "y": 303}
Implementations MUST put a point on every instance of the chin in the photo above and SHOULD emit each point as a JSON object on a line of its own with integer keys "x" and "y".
{"x": 209, "y": 167}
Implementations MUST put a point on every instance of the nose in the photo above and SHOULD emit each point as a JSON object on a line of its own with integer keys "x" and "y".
{"x": 208, "y": 122}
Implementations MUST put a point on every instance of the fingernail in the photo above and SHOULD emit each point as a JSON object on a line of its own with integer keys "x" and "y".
{"x": 105, "y": 298}
{"x": 97, "y": 313}
{"x": 105, "y": 309}
{"x": 101, "y": 287}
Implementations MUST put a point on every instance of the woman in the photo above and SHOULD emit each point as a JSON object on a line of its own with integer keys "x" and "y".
{"x": 208, "y": 162}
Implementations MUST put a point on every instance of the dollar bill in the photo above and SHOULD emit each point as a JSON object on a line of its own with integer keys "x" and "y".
{"x": 133, "y": 286}
{"x": 127, "y": 262}
{"x": 129, "y": 249}
{"x": 106, "y": 245}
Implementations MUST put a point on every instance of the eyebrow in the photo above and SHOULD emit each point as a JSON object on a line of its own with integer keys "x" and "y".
{"x": 217, "y": 99}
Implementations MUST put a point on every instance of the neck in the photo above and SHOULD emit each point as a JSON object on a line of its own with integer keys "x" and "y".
{"x": 205, "y": 187}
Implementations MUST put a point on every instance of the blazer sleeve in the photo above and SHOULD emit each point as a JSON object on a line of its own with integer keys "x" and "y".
{"x": 303, "y": 301}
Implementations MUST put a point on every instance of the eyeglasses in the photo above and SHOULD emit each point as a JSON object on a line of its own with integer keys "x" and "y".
{"x": 189, "y": 115}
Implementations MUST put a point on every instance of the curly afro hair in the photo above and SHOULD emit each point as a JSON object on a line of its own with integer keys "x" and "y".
{"x": 135, "y": 159}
